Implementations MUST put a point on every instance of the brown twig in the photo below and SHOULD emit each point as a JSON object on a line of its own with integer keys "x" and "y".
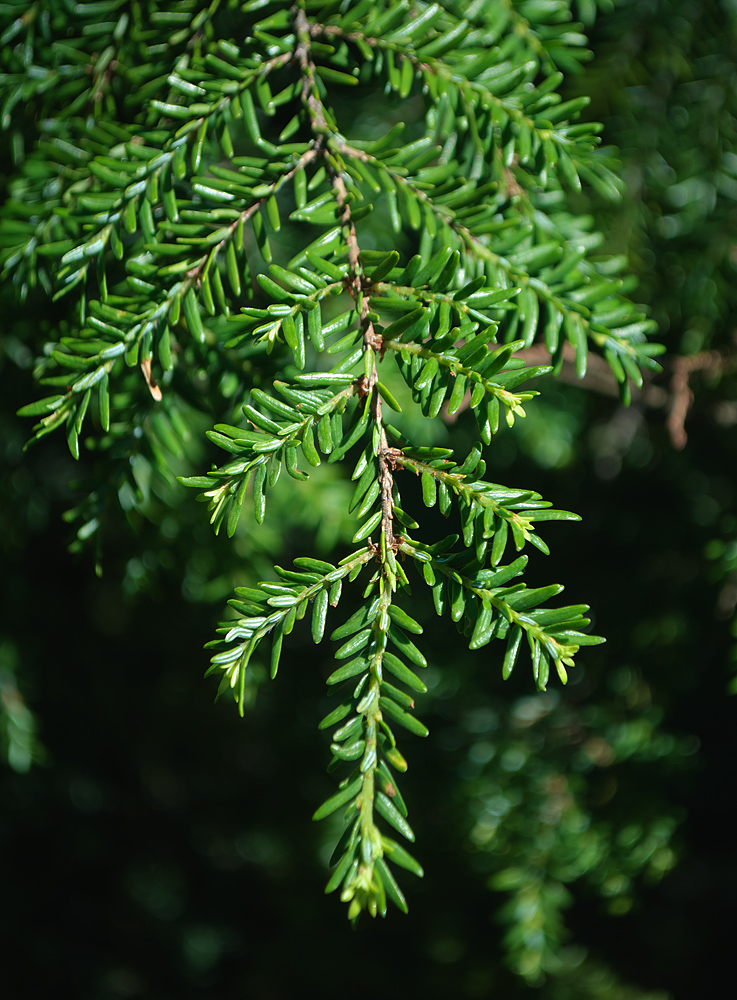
{"x": 681, "y": 394}
{"x": 310, "y": 95}
{"x": 374, "y": 343}
{"x": 599, "y": 378}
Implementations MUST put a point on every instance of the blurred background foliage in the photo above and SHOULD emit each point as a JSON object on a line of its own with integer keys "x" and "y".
{"x": 583, "y": 833}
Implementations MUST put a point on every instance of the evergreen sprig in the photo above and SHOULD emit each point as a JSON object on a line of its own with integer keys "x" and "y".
{"x": 235, "y": 216}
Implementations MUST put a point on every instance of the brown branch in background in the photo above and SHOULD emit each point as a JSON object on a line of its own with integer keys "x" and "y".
{"x": 677, "y": 398}
{"x": 599, "y": 378}
{"x": 681, "y": 394}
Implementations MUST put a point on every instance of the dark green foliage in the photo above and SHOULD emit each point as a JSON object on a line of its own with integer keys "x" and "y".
{"x": 153, "y": 226}
{"x": 231, "y": 251}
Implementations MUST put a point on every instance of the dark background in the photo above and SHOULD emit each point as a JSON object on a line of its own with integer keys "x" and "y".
{"x": 162, "y": 846}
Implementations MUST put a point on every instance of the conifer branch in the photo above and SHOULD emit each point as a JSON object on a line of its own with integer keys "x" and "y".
{"x": 152, "y": 231}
